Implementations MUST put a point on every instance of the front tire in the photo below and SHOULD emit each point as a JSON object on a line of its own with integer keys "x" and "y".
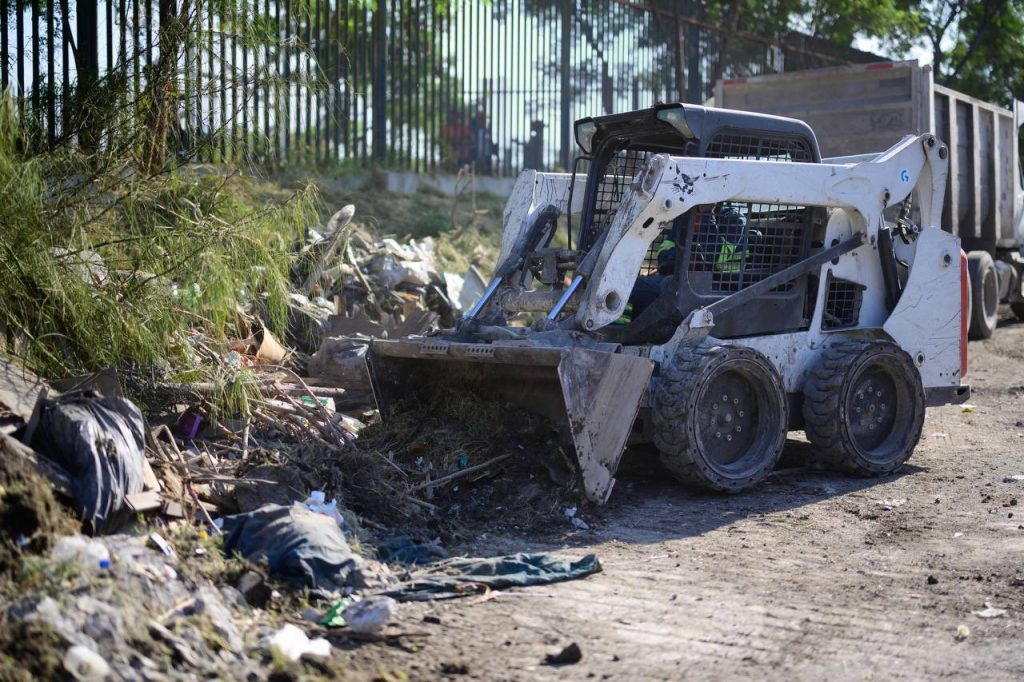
{"x": 720, "y": 417}
{"x": 864, "y": 407}
{"x": 981, "y": 271}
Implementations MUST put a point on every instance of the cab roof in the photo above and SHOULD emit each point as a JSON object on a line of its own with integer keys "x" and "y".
{"x": 645, "y": 130}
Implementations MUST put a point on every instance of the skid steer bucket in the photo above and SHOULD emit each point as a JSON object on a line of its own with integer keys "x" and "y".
{"x": 591, "y": 396}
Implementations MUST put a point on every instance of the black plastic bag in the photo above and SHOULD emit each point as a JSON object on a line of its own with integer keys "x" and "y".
{"x": 101, "y": 442}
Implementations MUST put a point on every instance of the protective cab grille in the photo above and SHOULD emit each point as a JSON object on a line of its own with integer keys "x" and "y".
{"x": 843, "y": 300}
{"x": 740, "y": 244}
{"x": 734, "y": 245}
{"x": 738, "y": 146}
{"x": 618, "y": 175}
{"x": 770, "y": 237}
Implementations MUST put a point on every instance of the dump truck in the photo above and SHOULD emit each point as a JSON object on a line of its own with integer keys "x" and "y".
{"x": 864, "y": 108}
{"x": 705, "y": 282}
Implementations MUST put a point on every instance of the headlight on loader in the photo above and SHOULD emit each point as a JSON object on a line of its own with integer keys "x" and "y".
{"x": 676, "y": 117}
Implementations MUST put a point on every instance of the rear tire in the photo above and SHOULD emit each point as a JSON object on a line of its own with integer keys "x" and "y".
{"x": 864, "y": 407}
{"x": 981, "y": 271}
{"x": 1018, "y": 310}
{"x": 720, "y": 416}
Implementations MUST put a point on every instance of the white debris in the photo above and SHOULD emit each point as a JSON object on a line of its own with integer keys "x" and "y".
{"x": 85, "y": 664}
{"x": 317, "y": 503}
{"x": 292, "y": 643}
{"x": 453, "y": 284}
{"x": 161, "y": 544}
{"x": 85, "y": 552}
{"x": 369, "y": 615}
{"x": 990, "y": 612}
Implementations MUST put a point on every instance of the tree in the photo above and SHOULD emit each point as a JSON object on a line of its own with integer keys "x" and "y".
{"x": 977, "y": 47}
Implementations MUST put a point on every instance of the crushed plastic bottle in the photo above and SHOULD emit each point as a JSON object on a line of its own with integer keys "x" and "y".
{"x": 86, "y": 552}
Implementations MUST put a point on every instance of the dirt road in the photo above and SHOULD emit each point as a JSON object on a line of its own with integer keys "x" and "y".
{"x": 810, "y": 576}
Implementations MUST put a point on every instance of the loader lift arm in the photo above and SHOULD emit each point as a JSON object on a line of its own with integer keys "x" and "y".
{"x": 669, "y": 186}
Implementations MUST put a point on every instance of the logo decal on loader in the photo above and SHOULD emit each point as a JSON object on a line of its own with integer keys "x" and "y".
{"x": 904, "y": 175}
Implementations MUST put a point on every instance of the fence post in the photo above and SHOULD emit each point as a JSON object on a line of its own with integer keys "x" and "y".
{"x": 680, "y": 72}
{"x": 694, "y": 82}
{"x": 87, "y": 61}
{"x": 4, "y": 64}
{"x": 380, "y": 74}
{"x": 566, "y": 94}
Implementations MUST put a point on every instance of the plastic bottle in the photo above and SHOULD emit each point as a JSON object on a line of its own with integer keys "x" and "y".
{"x": 87, "y": 553}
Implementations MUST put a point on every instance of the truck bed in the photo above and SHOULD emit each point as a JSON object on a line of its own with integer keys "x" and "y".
{"x": 861, "y": 109}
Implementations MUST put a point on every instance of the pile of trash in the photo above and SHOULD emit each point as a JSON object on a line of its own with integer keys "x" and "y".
{"x": 355, "y": 287}
{"x": 227, "y": 503}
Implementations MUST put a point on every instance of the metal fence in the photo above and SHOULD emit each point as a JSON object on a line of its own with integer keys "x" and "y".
{"x": 411, "y": 84}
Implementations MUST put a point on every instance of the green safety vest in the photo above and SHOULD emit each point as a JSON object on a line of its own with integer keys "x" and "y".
{"x": 730, "y": 258}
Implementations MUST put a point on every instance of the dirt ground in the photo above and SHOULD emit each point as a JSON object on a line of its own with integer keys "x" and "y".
{"x": 812, "y": 575}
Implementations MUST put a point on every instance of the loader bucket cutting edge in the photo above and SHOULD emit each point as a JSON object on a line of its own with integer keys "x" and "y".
{"x": 592, "y": 396}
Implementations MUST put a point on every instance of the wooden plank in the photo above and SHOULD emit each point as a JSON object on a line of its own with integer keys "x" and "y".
{"x": 145, "y": 501}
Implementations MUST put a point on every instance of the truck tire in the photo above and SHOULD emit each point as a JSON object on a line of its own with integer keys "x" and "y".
{"x": 864, "y": 407}
{"x": 981, "y": 271}
{"x": 1018, "y": 310}
{"x": 720, "y": 416}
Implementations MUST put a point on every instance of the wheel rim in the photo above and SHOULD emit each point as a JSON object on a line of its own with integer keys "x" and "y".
{"x": 990, "y": 290}
{"x": 876, "y": 405}
{"x": 732, "y": 427}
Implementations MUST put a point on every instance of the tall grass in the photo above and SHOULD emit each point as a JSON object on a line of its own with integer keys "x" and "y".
{"x": 117, "y": 269}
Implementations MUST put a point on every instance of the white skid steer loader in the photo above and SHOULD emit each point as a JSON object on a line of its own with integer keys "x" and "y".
{"x": 721, "y": 287}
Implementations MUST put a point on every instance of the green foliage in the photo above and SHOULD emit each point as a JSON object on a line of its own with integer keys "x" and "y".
{"x": 977, "y": 47}
{"x": 431, "y": 224}
{"x": 987, "y": 56}
{"x": 113, "y": 269}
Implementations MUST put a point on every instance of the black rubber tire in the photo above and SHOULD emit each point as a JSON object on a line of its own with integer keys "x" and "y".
{"x": 682, "y": 415}
{"x": 1018, "y": 310}
{"x": 835, "y": 386}
{"x": 981, "y": 272}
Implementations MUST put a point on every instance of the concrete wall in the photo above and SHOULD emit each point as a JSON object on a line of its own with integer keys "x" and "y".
{"x": 410, "y": 183}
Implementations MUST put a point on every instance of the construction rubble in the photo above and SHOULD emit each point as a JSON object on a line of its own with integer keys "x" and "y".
{"x": 168, "y": 529}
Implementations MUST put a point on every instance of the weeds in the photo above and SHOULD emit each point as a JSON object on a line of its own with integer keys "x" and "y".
{"x": 115, "y": 270}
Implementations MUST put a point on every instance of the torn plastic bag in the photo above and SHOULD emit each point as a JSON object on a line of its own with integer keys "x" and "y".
{"x": 101, "y": 443}
{"x": 300, "y": 547}
{"x": 407, "y": 551}
{"x": 461, "y": 577}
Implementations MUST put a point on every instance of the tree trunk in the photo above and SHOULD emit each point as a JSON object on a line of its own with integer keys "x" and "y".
{"x": 723, "y": 45}
{"x": 162, "y": 83}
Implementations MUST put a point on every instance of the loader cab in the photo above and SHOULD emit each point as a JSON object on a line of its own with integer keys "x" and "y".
{"x": 715, "y": 250}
